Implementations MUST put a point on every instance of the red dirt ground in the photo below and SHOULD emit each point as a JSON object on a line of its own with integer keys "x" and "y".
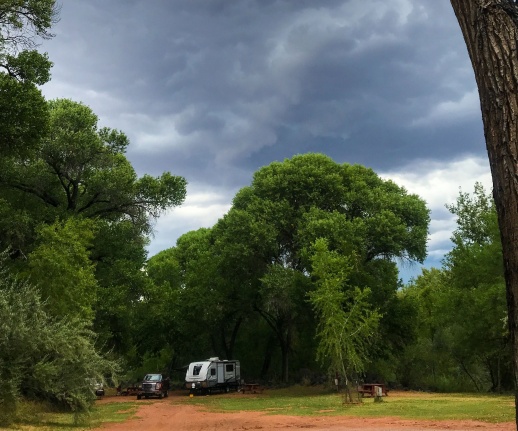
{"x": 161, "y": 415}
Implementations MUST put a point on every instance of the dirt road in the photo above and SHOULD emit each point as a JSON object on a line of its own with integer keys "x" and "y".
{"x": 161, "y": 415}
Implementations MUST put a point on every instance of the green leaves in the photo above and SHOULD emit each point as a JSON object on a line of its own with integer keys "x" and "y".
{"x": 42, "y": 356}
{"x": 158, "y": 194}
{"x": 23, "y": 117}
{"x": 462, "y": 331}
{"x": 53, "y": 164}
{"x": 61, "y": 267}
{"x": 29, "y": 67}
{"x": 82, "y": 213}
{"x": 82, "y": 170}
{"x": 270, "y": 232}
{"x": 476, "y": 258}
{"x": 23, "y": 112}
{"x": 22, "y": 20}
{"x": 347, "y": 323}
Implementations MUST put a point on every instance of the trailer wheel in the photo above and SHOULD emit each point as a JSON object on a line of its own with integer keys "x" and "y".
{"x": 139, "y": 397}
{"x": 227, "y": 389}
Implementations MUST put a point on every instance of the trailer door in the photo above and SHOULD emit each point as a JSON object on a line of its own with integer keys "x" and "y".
{"x": 221, "y": 372}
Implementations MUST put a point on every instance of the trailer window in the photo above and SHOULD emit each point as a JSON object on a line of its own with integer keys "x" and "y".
{"x": 229, "y": 368}
{"x": 213, "y": 371}
{"x": 196, "y": 370}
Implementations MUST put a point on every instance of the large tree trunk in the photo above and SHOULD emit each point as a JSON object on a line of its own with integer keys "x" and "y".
{"x": 228, "y": 346}
{"x": 268, "y": 352}
{"x": 490, "y": 31}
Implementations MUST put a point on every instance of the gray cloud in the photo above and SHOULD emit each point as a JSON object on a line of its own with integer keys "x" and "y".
{"x": 213, "y": 90}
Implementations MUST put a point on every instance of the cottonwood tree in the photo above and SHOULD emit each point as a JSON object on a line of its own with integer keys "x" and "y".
{"x": 182, "y": 311}
{"x": 475, "y": 279}
{"x": 462, "y": 343}
{"x": 80, "y": 171}
{"x": 291, "y": 204}
{"x": 490, "y": 30}
{"x": 23, "y": 112}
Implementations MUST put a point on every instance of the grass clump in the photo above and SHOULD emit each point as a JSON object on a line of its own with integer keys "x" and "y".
{"x": 36, "y": 416}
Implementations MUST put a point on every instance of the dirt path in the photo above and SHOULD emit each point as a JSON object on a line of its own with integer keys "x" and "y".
{"x": 161, "y": 415}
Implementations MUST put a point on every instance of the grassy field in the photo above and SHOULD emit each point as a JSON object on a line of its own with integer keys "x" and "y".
{"x": 411, "y": 405}
{"x": 299, "y": 400}
{"x": 37, "y": 418}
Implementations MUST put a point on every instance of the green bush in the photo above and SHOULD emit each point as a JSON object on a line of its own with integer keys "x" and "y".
{"x": 41, "y": 357}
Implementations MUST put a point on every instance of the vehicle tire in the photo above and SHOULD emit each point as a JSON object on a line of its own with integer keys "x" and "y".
{"x": 147, "y": 397}
{"x": 227, "y": 389}
{"x": 139, "y": 397}
{"x": 160, "y": 396}
{"x": 166, "y": 394}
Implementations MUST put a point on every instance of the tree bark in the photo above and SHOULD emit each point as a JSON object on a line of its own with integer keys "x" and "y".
{"x": 267, "y": 360}
{"x": 281, "y": 326}
{"x": 228, "y": 347}
{"x": 490, "y": 31}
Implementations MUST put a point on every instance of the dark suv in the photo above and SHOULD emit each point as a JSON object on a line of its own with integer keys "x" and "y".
{"x": 154, "y": 385}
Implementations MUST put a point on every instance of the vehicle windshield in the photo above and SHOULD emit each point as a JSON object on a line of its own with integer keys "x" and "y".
{"x": 152, "y": 378}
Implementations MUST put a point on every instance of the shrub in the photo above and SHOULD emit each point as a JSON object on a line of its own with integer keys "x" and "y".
{"x": 41, "y": 357}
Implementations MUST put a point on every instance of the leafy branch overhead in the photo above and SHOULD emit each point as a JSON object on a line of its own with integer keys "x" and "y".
{"x": 83, "y": 170}
{"x": 23, "y": 111}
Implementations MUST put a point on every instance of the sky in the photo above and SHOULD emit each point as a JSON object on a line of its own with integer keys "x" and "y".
{"x": 213, "y": 90}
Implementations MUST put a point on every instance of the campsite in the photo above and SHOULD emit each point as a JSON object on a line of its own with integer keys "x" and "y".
{"x": 258, "y": 214}
{"x": 293, "y": 408}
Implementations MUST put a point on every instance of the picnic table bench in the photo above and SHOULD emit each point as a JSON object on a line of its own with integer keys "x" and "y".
{"x": 369, "y": 389}
{"x": 130, "y": 390}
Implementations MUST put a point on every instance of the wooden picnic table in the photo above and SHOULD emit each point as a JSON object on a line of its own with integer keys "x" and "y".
{"x": 252, "y": 388}
{"x": 369, "y": 389}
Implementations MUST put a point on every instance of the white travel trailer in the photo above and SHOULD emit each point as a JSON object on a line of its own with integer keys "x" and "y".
{"x": 213, "y": 374}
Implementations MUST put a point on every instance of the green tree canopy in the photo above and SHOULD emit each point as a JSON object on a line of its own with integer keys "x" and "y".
{"x": 290, "y": 205}
{"x": 476, "y": 256}
{"x": 23, "y": 112}
{"x": 79, "y": 177}
{"x": 462, "y": 341}
{"x": 60, "y": 266}
{"x": 82, "y": 170}
{"x": 475, "y": 272}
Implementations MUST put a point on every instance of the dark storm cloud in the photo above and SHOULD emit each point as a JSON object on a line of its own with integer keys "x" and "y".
{"x": 215, "y": 83}
{"x": 215, "y": 89}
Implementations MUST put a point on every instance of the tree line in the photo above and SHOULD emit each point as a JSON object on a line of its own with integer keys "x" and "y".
{"x": 300, "y": 281}
{"x": 75, "y": 220}
{"x": 247, "y": 287}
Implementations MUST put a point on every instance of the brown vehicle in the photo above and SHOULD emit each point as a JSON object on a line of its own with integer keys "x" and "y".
{"x": 154, "y": 385}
